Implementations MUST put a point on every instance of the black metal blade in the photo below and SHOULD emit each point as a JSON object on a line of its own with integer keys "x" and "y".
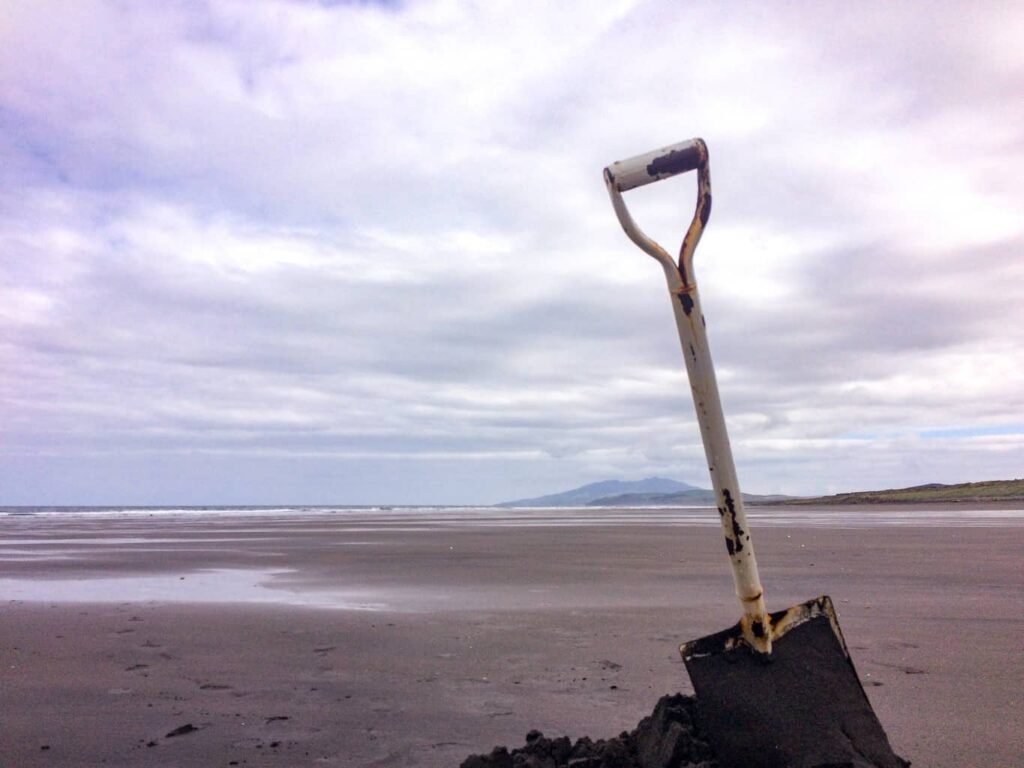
{"x": 802, "y": 706}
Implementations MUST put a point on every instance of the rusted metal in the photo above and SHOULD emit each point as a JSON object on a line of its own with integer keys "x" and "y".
{"x": 782, "y": 622}
{"x": 682, "y": 287}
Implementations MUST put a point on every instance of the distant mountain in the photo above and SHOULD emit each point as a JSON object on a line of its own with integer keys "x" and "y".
{"x": 693, "y": 497}
{"x": 585, "y": 494}
{"x": 661, "y": 492}
{"x": 993, "y": 490}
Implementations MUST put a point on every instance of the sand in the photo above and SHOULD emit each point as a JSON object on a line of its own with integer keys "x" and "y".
{"x": 450, "y": 639}
{"x": 670, "y": 737}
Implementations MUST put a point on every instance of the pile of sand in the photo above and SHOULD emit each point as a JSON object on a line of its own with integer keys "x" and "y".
{"x": 668, "y": 738}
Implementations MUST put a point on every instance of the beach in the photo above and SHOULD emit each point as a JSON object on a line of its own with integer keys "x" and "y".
{"x": 414, "y": 637}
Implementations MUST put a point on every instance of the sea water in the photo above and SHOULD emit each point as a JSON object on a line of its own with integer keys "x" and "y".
{"x": 236, "y": 554}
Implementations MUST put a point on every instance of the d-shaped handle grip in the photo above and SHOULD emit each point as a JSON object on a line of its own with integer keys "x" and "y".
{"x": 654, "y": 166}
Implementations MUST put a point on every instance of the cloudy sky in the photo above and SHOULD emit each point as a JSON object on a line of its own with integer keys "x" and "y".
{"x": 277, "y": 251}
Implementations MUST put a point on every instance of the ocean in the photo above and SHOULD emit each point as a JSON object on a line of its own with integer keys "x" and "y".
{"x": 430, "y": 517}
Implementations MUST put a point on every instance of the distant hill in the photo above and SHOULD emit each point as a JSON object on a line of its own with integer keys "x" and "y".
{"x": 696, "y": 496}
{"x": 661, "y": 492}
{"x": 993, "y": 490}
{"x": 585, "y": 494}
{"x": 651, "y": 492}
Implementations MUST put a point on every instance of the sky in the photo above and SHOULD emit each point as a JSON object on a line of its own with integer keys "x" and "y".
{"x": 289, "y": 252}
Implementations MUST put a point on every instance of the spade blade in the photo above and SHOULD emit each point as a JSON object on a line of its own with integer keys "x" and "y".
{"x": 801, "y": 706}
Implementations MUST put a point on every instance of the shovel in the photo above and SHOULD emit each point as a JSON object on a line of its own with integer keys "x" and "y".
{"x": 778, "y": 690}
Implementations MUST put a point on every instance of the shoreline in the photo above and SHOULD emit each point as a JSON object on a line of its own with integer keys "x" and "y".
{"x": 796, "y": 501}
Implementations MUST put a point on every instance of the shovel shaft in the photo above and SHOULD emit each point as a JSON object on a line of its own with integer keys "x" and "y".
{"x": 718, "y": 452}
{"x": 692, "y": 329}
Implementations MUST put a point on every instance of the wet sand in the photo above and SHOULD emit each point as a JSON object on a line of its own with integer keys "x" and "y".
{"x": 416, "y": 638}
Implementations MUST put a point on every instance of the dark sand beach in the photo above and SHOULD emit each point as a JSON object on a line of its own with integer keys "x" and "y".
{"x": 414, "y": 638}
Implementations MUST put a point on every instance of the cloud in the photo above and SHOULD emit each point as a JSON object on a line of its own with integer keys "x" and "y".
{"x": 368, "y": 246}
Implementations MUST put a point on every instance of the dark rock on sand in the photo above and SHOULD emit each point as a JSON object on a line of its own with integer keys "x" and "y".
{"x": 670, "y": 737}
{"x": 667, "y": 738}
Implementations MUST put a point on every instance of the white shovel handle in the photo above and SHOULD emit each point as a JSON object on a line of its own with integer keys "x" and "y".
{"x": 635, "y": 172}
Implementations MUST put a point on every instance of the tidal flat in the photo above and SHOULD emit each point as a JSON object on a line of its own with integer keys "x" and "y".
{"x": 415, "y": 636}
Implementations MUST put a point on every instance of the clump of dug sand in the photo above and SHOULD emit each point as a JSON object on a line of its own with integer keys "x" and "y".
{"x": 667, "y": 738}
